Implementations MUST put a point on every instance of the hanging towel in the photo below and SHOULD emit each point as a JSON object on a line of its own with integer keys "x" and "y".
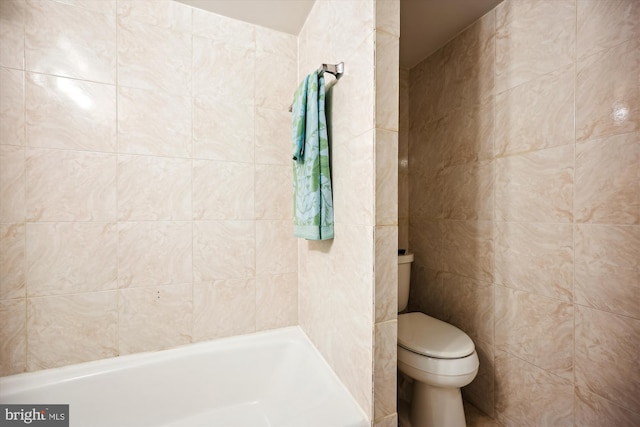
{"x": 312, "y": 199}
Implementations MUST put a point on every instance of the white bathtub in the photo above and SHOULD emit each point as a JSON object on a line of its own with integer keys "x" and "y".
{"x": 274, "y": 378}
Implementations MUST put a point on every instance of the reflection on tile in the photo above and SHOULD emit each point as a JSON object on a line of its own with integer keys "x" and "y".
{"x": 548, "y": 345}
{"x": 604, "y": 24}
{"x": 153, "y": 188}
{"x": 273, "y": 137}
{"x": 386, "y": 172}
{"x": 12, "y": 261}
{"x": 223, "y": 129}
{"x": 523, "y": 31}
{"x": 71, "y": 258}
{"x": 223, "y": 190}
{"x": 385, "y": 368}
{"x": 467, "y": 249}
{"x": 602, "y": 338}
{"x": 155, "y": 318}
{"x": 520, "y": 384}
{"x": 152, "y": 122}
{"x": 469, "y": 305}
{"x": 70, "y": 114}
{"x": 536, "y": 258}
{"x": 223, "y": 250}
{"x": 70, "y": 41}
{"x": 154, "y": 253}
{"x": 224, "y": 308}
{"x": 11, "y": 104}
{"x": 12, "y": 17}
{"x": 86, "y": 329}
{"x": 276, "y": 247}
{"x": 608, "y": 93}
{"x": 274, "y": 192}
{"x": 13, "y": 336}
{"x": 155, "y": 58}
{"x": 161, "y": 13}
{"x": 536, "y": 186}
{"x": 608, "y": 268}
{"x": 595, "y": 411}
{"x": 70, "y": 186}
{"x": 607, "y": 182}
{"x": 12, "y": 179}
{"x": 536, "y": 115}
{"x": 276, "y": 301}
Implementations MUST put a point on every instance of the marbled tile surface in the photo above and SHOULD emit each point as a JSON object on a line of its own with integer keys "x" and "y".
{"x": 13, "y": 336}
{"x": 12, "y": 261}
{"x": 12, "y": 182}
{"x": 12, "y": 103}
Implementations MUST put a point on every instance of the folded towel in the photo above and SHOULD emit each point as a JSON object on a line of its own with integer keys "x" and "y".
{"x": 312, "y": 199}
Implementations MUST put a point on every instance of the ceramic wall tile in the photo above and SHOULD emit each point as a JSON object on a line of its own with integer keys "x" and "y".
{"x": 386, "y": 273}
{"x": 607, "y": 185}
{"x": 223, "y": 70}
{"x": 469, "y": 64}
{"x": 523, "y": 29}
{"x": 428, "y": 95}
{"x": 607, "y": 92}
{"x": 608, "y": 268}
{"x": 467, "y": 249}
{"x": 71, "y": 258}
{"x": 12, "y": 181}
{"x": 166, "y": 14}
{"x": 595, "y": 411}
{"x": 386, "y": 164}
{"x": 11, "y": 105}
{"x": 223, "y": 190}
{"x": 86, "y": 329}
{"x": 70, "y": 114}
{"x": 154, "y": 58}
{"x": 388, "y": 421}
{"x": 153, "y": 188}
{"x": 270, "y": 41}
{"x": 426, "y": 242}
{"x": 70, "y": 186}
{"x": 426, "y": 193}
{"x": 537, "y": 114}
{"x": 13, "y": 336}
{"x": 387, "y": 16}
{"x": 468, "y": 191}
{"x": 385, "y": 368}
{"x": 548, "y": 344}
{"x": 277, "y": 93}
{"x": 276, "y": 301}
{"x": 223, "y": 250}
{"x": 154, "y": 253}
{"x": 152, "y": 319}
{"x": 220, "y": 28}
{"x": 600, "y": 339}
{"x": 12, "y": 19}
{"x": 469, "y": 304}
{"x": 536, "y": 186}
{"x": 481, "y": 390}
{"x": 536, "y": 258}
{"x": 153, "y": 123}
{"x": 224, "y": 308}
{"x": 520, "y": 383}
{"x": 427, "y": 292}
{"x": 12, "y": 261}
{"x": 273, "y": 137}
{"x": 223, "y": 129}
{"x": 387, "y": 80}
{"x": 276, "y": 247}
{"x": 274, "y": 192}
{"x": 602, "y": 25}
{"x": 70, "y": 41}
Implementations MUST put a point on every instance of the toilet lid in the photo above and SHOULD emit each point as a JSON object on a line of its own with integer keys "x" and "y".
{"x": 431, "y": 337}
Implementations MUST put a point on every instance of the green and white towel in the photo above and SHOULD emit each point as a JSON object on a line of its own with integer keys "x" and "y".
{"x": 312, "y": 199}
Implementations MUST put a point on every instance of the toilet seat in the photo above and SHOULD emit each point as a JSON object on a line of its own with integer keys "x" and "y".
{"x": 431, "y": 337}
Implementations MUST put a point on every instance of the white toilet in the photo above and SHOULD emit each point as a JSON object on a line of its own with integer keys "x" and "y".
{"x": 439, "y": 357}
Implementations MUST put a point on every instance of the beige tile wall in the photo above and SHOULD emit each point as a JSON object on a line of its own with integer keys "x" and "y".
{"x": 145, "y": 200}
{"x": 524, "y": 206}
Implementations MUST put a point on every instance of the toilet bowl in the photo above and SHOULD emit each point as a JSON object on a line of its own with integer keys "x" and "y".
{"x": 439, "y": 357}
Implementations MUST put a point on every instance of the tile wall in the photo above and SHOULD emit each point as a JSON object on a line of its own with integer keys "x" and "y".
{"x": 145, "y": 195}
{"x": 524, "y": 206}
{"x": 348, "y": 285}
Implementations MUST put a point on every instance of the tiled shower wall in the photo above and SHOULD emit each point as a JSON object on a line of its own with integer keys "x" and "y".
{"x": 524, "y": 207}
{"x": 145, "y": 190}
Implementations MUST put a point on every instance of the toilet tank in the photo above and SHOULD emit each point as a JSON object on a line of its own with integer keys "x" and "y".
{"x": 404, "y": 277}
